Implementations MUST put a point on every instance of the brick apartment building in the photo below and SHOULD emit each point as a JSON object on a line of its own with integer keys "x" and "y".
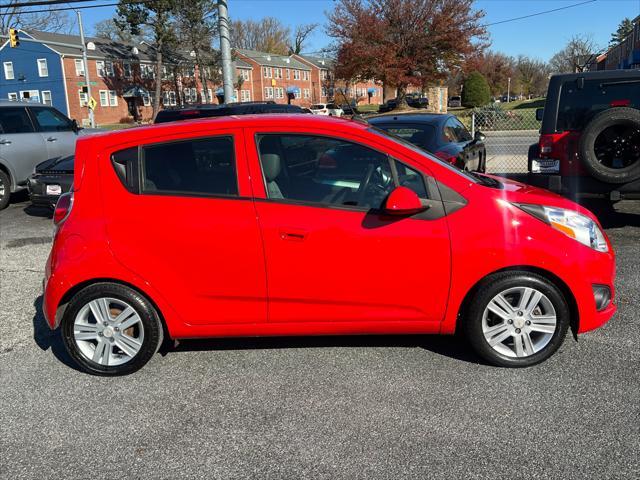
{"x": 122, "y": 78}
{"x": 626, "y": 55}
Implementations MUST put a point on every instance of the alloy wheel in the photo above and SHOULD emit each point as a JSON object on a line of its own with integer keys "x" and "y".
{"x": 108, "y": 331}
{"x": 519, "y": 322}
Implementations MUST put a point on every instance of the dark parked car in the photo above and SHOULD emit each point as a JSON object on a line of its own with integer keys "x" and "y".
{"x": 455, "y": 102}
{"x": 441, "y": 134}
{"x": 206, "y": 111}
{"x": 417, "y": 101}
{"x": 590, "y": 136}
{"x": 52, "y": 178}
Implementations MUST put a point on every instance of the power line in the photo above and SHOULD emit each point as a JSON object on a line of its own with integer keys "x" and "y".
{"x": 539, "y": 13}
{"x": 41, "y": 2}
{"x": 79, "y": 7}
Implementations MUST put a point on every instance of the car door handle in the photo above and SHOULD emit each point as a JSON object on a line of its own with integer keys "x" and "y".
{"x": 5, "y": 142}
{"x": 52, "y": 139}
{"x": 293, "y": 235}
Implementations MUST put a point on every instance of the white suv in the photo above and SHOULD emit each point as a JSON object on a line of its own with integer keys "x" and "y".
{"x": 31, "y": 133}
{"x": 330, "y": 109}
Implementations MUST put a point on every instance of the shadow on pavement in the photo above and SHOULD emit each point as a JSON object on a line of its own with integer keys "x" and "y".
{"x": 42, "y": 212}
{"x": 447, "y": 346}
{"x": 612, "y": 216}
{"x": 47, "y": 339}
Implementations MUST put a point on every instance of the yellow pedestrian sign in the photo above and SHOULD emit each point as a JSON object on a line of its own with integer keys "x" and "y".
{"x": 92, "y": 103}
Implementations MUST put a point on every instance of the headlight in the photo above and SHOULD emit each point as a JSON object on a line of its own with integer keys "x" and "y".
{"x": 571, "y": 223}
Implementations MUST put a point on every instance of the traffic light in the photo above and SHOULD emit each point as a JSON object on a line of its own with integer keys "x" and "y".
{"x": 14, "y": 41}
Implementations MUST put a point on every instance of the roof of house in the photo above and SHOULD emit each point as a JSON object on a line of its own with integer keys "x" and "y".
{"x": 272, "y": 59}
{"x": 320, "y": 62}
{"x": 110, "y": 49}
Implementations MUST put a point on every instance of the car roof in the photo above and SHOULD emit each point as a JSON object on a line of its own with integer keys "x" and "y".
{"x": 597, "y": 75}
{"x": 237, "y": 121}
{"x": 410, "y": 117}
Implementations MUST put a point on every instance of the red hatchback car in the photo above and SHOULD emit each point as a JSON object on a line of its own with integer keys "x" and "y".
{"x": 306, "y": 225}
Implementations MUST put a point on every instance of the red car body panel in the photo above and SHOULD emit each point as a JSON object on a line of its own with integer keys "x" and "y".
{"x": 252, "y": 266}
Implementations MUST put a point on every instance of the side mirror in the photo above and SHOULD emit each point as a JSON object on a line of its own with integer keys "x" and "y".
{"x": 479, "y": 136}
{"x": 403, "y": 201}
{"x": 74, "y": 125}
{"x": 539, "y": 114}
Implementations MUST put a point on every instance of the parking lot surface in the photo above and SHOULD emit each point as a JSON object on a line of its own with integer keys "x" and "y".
{"x": 343, "y": 407}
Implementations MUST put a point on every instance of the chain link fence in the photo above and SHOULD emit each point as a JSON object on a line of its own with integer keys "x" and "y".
{"x": 508, "y": 135}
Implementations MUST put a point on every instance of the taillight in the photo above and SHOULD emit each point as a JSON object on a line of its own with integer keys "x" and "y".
{"x": 63, "y": 208}
{"x": 550, "y": 143}
{"x": 447, "y": 157}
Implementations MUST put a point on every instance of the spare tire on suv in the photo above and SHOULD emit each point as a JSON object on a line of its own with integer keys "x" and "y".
{"x": 609, "y": 147}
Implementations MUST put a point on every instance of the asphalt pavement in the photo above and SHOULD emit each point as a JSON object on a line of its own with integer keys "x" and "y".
{"x": 340, "y": 407}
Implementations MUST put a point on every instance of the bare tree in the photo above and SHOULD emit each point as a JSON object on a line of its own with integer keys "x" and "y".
{"x": 197, "y": 27}
{"x": 15, "y": 17}
{"x": 110, "y": 30}
{"x": 300, "y": 36}
{"x": 580, "y": 51}
{"x": 532, "y": 76}
{"x": 266, "y": 35}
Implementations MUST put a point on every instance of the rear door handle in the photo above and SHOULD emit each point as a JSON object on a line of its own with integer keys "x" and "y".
{"x": 293, "y": 235}
{"x": 51, "y": 139}
{"x": 5, "y": 142}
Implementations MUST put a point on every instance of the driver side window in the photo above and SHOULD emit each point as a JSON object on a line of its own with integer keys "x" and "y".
{"x": 324, "y": 170}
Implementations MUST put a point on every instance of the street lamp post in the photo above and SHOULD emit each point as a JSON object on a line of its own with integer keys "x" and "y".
{"x": 85, "y": 62}
{"x": 508, "y": 89}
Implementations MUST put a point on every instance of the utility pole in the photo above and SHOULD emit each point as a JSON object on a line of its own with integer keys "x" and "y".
{"x": 225, "y": 50}
{"x": 86, "y": 70}
{"x": 508, "y": 89}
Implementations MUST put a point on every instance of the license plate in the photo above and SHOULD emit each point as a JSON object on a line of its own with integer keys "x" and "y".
{"x": 54, "y": 190}
{"x": 539, "y": 165}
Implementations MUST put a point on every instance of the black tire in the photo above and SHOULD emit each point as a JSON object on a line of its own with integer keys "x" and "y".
{"x": 153, "y": 332}
{"x": 492, "y": 286}
{"x": 619, "y": 116}
{"x": 5, "y": 183}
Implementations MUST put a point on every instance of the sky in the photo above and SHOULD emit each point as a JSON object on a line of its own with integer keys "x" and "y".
{"x": 539, "y": 36}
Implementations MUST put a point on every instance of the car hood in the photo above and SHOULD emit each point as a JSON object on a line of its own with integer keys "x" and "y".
{"x": 518, "y": 192}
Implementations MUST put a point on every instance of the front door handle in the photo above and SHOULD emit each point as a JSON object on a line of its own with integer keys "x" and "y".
{"x": 5, "y": 142}
{"x": 293, "y": 235}
{"x": 51, "y": 139}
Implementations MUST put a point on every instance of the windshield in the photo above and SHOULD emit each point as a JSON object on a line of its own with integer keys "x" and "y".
{"x": 424, "y": 153}
{"x": 423, "y": 135}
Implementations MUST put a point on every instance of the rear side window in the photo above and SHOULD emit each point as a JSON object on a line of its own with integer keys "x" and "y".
{"x": 15, "y": 120}
{"x": 204, "y": 166}
{"x": 579, "y": 105}
{"x": 125, "y": 163}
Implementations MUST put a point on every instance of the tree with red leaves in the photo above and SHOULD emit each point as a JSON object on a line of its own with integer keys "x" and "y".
{"x": 403, "y": 42}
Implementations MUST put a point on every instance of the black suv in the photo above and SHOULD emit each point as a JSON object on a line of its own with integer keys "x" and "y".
{"x": 590, "y": 136}
{"x": 206, "y": 111}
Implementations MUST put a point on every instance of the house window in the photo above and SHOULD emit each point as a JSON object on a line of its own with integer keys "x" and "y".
{"x": 296, "y": 74}
{"x": 84, "y": 98}
{"x": 146, "y": 100}
{"x": 13, "y": 97}
{"x": 169, "y": 98}
{"x": 244, "y": 74}
{"x": 296, "y": 94}
{"x": 108, "y": 69}
{"x": 126, "y": 68}
{"x": 323, "y": 74}
{"x": 43, "y": 69}
{"x": 100, "y": 68}
{"x": 79, "y": 67}
{"x": 245, "y": 95}
{"x": 277, "y": 73}
{"x": 146, "y": 70}
{"x": 305, "y": 75}
{"x": 324, "y": 91}
{"x": 288, "y": 74}
{"x": 8, "y": 70}
{"x": 279, "y": 91}
{"x": 268, "y": 72}
{"x": 104, "y": 99}
{"x": 307, "y": 93}
{"x": 113, "y": 98}
{"x": 268, "y": 92}
{"x": 30, "y": 95}
{"x": 209, "y": 95}
{"x": 46, "y": 97}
